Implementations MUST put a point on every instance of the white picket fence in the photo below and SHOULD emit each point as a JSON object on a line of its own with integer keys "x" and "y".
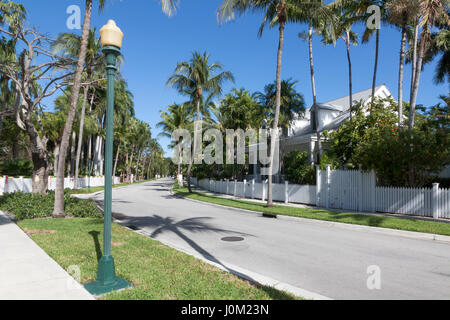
{"x": 345, "y": 190}
{"x": 253, "y": 190}
{"x": 11, "y": 185}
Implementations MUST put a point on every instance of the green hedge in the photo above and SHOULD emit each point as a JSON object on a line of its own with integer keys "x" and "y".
{"x": 17, "y": 168}
{"x": 31, "y": 206}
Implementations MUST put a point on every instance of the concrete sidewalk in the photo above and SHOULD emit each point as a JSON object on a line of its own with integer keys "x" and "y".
{"x": 28, "y": 273}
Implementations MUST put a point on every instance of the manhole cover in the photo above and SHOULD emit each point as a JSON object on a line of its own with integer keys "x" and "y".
{"x": 232, "y": 239}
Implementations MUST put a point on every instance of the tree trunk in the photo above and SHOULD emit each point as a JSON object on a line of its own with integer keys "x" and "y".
{"x": 149, "y": 166}
{"x": 412, "y": 108}
{"x": 72, "y": 154}
{"x": 58, "y": 210}
{"x": 40, "y": 160}
{"x": 414, "y": 60}
{"x": 56, "y": 157}
{"x": 194, "y": 151}
{"x": 80, "y": 136}
{"x": 377, "y": 48}
{"x": 400, "y": 78}
{"x": 117, "y": 158}
{"x": 350, "y": 84}
{"x": 313, "y": 83}
{"x": 277, "y": 114}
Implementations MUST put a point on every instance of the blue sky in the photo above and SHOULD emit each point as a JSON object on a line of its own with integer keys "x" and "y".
{"x": 154, "y": 43}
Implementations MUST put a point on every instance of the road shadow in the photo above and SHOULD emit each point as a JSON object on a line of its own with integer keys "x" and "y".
{"x": 199, "y": 224}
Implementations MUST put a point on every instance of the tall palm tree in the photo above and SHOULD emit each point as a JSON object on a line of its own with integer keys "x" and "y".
{"x": 175, "y": 118}
{"x": 402, "y": 13}
{"x": 194, "y": 78}
{"x": 320, "y": 19}
{"x": 292, "y": 102}
{"x": 276, "y": 12}
{"x": 342, "y": 30}
{"x": 431, "y": 12}
{"x": 168, "y": 7}
{"x": 69, "y": 44}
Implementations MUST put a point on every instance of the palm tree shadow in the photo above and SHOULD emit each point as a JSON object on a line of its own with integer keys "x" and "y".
{"x": 198, "y": 225}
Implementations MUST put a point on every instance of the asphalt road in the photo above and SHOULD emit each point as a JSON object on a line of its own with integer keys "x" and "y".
{"x": 329, "y": 260}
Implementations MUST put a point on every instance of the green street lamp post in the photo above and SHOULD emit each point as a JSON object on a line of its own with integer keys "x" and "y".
{"x": 107, "y": 281}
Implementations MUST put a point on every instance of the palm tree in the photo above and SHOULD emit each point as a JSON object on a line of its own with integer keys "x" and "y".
{"x": 342, "y": 30}
{"x": 168, "y": 7}
{"x": 431, "y": 12}
{"x": 69, "y": 44}
{"x": 292, "y": 102}
{"x": 319, "y": 18}
{"x": 276, "y": 12}
{"x": 176, "y": 117}
{"x": 402, "y": 13}
{"x": 194, "y": 78}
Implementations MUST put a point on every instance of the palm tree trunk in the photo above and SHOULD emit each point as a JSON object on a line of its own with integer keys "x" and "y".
{"x": 80, "y": 137}
{"x": 56, "y": 157}
{"x": 277, "y": 114}
{"x": 412, "y": 108}
{"x": 377, "y": 48}
{"x": 58, "y": 210}
{"x": 313, "y": 84}
{"x": 414, "y": 60}
{"x": 400, "y": 78}
{"x": 350, "y": 83}
{"x": 194, "y": 151}
{"x": 72, "y": 153}
{"x": 149, "y": 166}
{"x": 117, "y": 158}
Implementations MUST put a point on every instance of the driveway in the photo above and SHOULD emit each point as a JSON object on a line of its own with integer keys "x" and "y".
{"x": 333, "y": 261}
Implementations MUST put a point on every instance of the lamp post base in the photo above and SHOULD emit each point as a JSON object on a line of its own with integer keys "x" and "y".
{"x": 107, "y": 281}
{"x": 98, "y": 288}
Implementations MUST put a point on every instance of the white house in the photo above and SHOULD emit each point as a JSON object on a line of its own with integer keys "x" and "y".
{"x": 332, "y": 114}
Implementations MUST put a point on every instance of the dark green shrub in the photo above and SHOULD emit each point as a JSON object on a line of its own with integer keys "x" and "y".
{"x": 17, "y": 168}
{"x": 32, "y": 206}
{"x": 297, "y": 168}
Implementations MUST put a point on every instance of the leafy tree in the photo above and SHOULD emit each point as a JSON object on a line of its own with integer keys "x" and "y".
{"x": 297, "y": 168}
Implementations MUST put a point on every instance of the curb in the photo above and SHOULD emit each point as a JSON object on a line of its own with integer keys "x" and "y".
{"x": 387, "y": 231}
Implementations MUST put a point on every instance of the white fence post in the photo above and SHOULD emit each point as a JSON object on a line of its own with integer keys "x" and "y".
{"x": 245, "y": 184}
{"x": 253, "y": 188}
{"x": 327, "y": 187}
{"x": 235, "y": 186}
{"x": 360, "y": 189}
{"x": 318, "y": 186}
{"x": 286, "y": 193}
{"x": 228, "y": 186}
{"x": 263, "y": 189}
{"x": 435, "y": 201}
{"x": 373, "y": 191}
{"x": 22, "y": 184}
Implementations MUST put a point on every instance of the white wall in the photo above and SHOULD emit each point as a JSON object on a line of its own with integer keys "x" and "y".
{"x": 25, "y": 184}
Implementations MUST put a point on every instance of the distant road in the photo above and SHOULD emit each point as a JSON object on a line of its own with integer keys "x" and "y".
{"x": 329, "y": 260}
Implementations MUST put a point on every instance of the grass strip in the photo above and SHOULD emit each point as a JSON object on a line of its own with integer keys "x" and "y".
{"x": 156, "y": 270}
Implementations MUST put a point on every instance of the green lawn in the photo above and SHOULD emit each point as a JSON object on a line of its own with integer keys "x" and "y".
{"x": 97, "y": 189}
{"x": 156, "y": 271}
{"x": 351, "y": 218}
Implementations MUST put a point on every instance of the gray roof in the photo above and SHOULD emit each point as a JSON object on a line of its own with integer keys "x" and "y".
{"x": 343, "y": 104}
